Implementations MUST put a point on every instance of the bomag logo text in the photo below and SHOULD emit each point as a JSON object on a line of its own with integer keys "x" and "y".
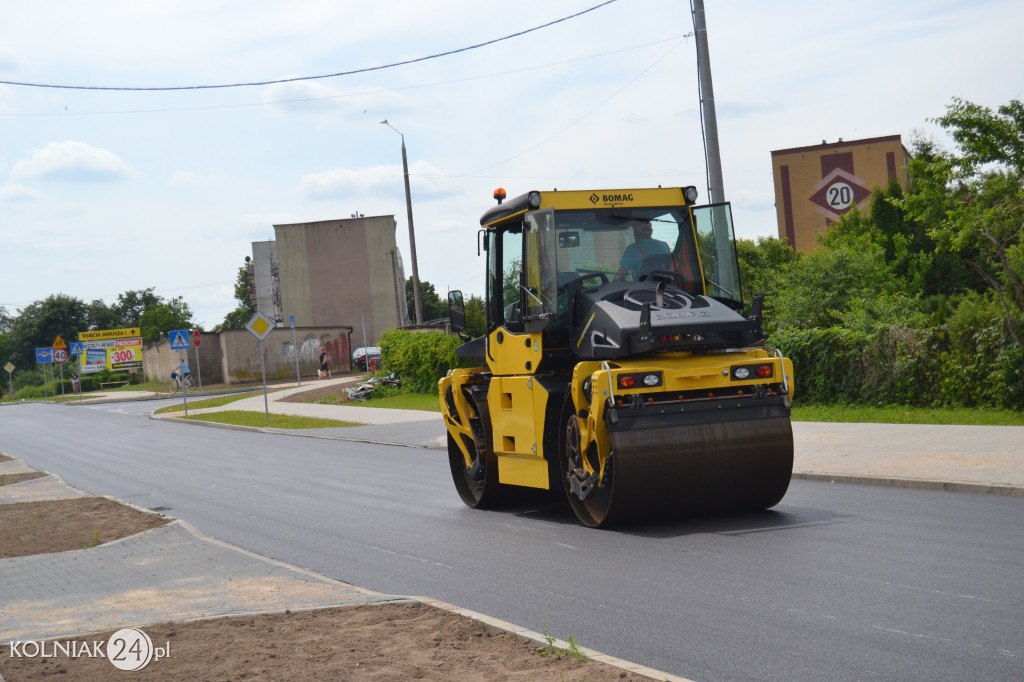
{"x": 611, "y": 198}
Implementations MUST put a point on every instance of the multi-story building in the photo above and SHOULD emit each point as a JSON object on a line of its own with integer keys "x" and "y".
{"x": 815, "y": 185}
{"x": 332, "y": 272}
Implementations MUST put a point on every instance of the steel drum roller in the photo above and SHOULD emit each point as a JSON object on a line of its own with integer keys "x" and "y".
{"x": 684, "y": 469}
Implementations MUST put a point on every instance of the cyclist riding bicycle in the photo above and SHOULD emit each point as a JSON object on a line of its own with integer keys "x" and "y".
{"x": 179, "y": 373}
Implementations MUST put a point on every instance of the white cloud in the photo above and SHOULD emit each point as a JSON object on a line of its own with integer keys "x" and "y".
{"x": 73, "y": 161}
{"x": 10, "y": 59}
{"x": 334, "y": 106}
{"x": 426, "y": 182}
{"x": 14, "y": 193}
{"x": 192, "y": 180}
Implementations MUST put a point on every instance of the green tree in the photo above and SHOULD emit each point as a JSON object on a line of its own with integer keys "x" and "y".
{"x": 846, "y": 283}
{"x": 6, "y": 321}
{"x": 476, "y": 316}
{"x": 102, "y": 316}
{"x": 430, "y": 302}
{"x": 240, "y": 316}
{"x": 132, "y": 304}
{"x": 972, "y": 200}
{"x": 162, "y": 318}
{"x": 910, "y": 251}
{"x": 41, "y": 322}
{"x": 762, "y": 264}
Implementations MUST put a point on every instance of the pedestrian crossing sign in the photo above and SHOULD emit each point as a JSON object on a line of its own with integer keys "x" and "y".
{"x": 179, "y": 339}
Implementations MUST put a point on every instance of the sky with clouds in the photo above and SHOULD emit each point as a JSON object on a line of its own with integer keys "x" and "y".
{"x": 104, "y": 191}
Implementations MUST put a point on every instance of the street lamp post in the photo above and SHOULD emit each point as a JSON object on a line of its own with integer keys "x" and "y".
{"x": 412, "y": 234}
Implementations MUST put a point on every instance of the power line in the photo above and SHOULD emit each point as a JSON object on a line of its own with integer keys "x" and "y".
{"x": 308, "y": 78}
{"x": 361, "y": 93}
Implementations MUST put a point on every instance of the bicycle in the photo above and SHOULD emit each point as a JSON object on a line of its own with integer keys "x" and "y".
{"x": 189, "y": 382}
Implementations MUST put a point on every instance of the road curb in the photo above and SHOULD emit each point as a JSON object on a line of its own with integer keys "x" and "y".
{"x": 503, "y": 627}
{"x": 913, "y": 483}
{"x": 286, "y": 432}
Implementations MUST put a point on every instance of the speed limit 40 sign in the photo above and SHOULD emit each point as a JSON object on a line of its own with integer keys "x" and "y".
{"x": 60, "y": 355}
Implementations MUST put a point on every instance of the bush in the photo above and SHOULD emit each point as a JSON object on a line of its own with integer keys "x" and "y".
{"x": 30, "y": 393}
{"x": 969, "y": 367}
{"x": 419, "y": 359}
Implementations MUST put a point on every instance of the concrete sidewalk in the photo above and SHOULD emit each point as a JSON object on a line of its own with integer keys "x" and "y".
{"x": 958, "y": 458}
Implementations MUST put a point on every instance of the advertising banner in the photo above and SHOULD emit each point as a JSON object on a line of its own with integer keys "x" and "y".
{"x": 93, "y": 360}
{"x": 115, "y": 349}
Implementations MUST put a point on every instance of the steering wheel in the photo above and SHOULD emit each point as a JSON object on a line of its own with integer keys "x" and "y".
{"x": 586, "y": 274}
{"x": 667, "y": 276}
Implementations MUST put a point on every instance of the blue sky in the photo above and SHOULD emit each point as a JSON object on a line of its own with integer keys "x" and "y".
{"x": 102, "y": 192}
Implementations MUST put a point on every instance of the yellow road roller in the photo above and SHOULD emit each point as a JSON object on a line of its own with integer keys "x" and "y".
{"x": 615, "y": 364}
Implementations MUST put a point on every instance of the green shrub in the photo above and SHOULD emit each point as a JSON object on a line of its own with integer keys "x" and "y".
{"x": 419, "y": 359}
{"x": 30, "y": 393}
{"x": 973, "y": 367}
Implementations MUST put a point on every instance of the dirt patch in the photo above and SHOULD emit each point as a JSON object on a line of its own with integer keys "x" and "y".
{"x": 60, "y": 525}
{"x": 386, "y": 642}
{"x": 5, "y": 458}
{"x": 11, "y": 479}
{"x": 327, "y": 395}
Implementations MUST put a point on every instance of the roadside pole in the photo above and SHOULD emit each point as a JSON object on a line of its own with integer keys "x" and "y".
{"x": 260, "y": 326}
{"x": 266, "y": 401}
{"x": 713, "y": 154}
{"x": 181, "y": 379}
{"x": 199, "y": 367}
{"x": 10, "y": 378}
{"x": 179, "y": 342}
{"x": 295, "y": 344}
{"x": 364, "y": 332}
{"x": 75, "y": 355}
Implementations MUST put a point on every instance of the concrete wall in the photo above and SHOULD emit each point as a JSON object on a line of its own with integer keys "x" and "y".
{"x": 233, "y": 355}
{"x": 158, "y": 360}
{"x": 241, "y": 352}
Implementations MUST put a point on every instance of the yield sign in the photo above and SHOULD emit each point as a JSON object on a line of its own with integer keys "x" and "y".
{"x": 179, "y": 339}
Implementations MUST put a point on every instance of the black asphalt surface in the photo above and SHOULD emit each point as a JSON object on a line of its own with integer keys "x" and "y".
{"x": 839, "y": 582}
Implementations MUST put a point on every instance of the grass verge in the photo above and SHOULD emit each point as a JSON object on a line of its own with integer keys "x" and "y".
{"x": 906, "y": 415}
{"x": 196, "y": 403}
{"x": 405, "y": 401}
{"x": 259, "y": 420}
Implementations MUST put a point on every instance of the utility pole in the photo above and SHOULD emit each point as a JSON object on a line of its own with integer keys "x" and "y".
{"x": 716, "y": 187}
{"x": 412, "y": 234}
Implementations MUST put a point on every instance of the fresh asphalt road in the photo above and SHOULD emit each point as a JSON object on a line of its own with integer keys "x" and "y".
{"x": 839, "y": 582}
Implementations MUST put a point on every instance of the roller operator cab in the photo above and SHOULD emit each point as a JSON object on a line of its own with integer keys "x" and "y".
{"x": 615, "y": 365}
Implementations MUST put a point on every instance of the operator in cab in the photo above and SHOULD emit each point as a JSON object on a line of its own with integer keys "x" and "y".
{"x": 645, "y": 254}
